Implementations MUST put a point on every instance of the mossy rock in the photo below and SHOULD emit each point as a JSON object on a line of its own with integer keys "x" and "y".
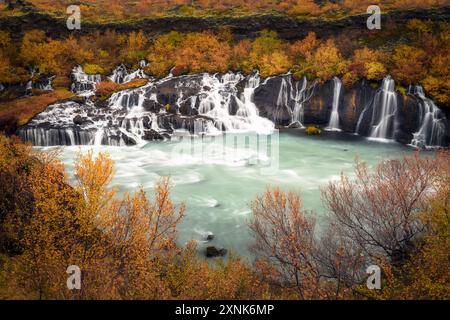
{"x": 313, "y": 131}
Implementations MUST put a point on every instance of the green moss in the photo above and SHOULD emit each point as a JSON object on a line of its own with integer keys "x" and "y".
{"x": 93, "y": 69}
{"x": 401, "y": 89}
{"x": 374, "y": 85}
{"x": 313, "y": 131}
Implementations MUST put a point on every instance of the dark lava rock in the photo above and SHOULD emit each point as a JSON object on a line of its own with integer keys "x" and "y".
{"x": 78, "y": 120}
{"x": 152, "y": 135}
{"x": 213, "y": 252}
{"x": 210, "y": 237}
{"x": 152, "y": 106}
{"x": 295, "y": 125}
{"x": 76, "y": 99}
{"x": 234, "y": 106}
{"x": 187, "y": 109}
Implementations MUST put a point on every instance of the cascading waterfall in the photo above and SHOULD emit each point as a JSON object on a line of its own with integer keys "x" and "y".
{"x": 383, "y": 117}
{"x": 121, "y": 75}
{"x": 206, "y": 104}
{"x": 29, "y": 87}
{"x": 299, "y": 97}
{"x": 432, "y": 122}
{"x": 215, "y": 101}
{"x": 333, "y": 124}
{"x": 84, "y": 84}
{"x": 248, "y": 108}
{"x": 293, "y": 96}
{"x": 383, "y": 110}
{"x": 44, "y": 84}
{"x": 134, "y": 116}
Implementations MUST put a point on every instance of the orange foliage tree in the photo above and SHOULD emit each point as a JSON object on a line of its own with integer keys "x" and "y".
{"x": 125, "y": 247}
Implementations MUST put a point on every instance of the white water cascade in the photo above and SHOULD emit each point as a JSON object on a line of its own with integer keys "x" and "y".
{"x": 198, "y": 104}
{"x": 432, "y": 122}
{"x": 292, "y": 97}
{"x": 219, "y": 93}
{"x": 84, "y": 84}
{"x": 333, "y": 124}
{"x": 384, "y": 111}
{"x": 121, "y": 74}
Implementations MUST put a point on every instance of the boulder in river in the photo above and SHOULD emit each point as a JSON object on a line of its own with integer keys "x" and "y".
{"x": 213, "y": 252}
{"x": 210, "y": 237}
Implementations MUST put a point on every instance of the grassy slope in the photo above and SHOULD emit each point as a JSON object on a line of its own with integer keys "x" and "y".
{"x": 18, "y": 112}
{"x": 106, "y": 88}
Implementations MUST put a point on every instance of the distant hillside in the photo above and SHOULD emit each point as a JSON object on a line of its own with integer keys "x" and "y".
{"x": 125, "y": 9}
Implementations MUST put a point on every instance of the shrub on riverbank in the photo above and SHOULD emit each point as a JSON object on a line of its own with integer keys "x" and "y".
{"x": 395, "y": 217}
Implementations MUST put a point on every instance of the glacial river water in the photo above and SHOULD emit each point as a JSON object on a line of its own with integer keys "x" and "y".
{"x": 218, "y": 181}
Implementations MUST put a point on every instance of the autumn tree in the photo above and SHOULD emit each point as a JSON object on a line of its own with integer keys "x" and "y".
{"x": 203, "y": 52}
{"x": 125, "y": 247}
{"x": 303, "y": 49}
{"x": 15, "y": 165}
{"x": 409, "y": 64}
{"x": 162, "y": 54}
{"x": 436, "y": 82}
{"x": 379, "y": 210}
{"x": 369, "y": 64}
{"x": 239, "y": 55}
{"x": 325, "y": 62}
{"x": 285, "y": 243}
{"x": 135, "y": 48}
{"x": 267, "y": 55}
{"x": 5, "y": 68}
{"x": 425, "y": 274}
{"x": 122, "y": 245}
{"x": 341, "y": 262}
{"x": 192, "y": 277}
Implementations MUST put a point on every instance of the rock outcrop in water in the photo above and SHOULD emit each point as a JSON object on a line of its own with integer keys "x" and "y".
{"x": 209, "y": 104}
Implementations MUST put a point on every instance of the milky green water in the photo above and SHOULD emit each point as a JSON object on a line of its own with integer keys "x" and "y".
{"x": 218, "y": 186}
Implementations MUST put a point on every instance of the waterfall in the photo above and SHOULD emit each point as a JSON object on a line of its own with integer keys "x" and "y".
{"x": 299, "y": 95}
{"x": 2, "y": 87}
{"x": 217, "y": 95}
{"x": 292, "y": 96}
{"x": 210, "y": 103}
{"x": 29, "y": 87}
{"x": 84, "y": 84}
{"x": 432, "y": 122}
{"x": 44, "y": 84}
{"x": 121, "y": 75}
{"x": 333, "y": 124}
{"x": 384, "y": 111}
